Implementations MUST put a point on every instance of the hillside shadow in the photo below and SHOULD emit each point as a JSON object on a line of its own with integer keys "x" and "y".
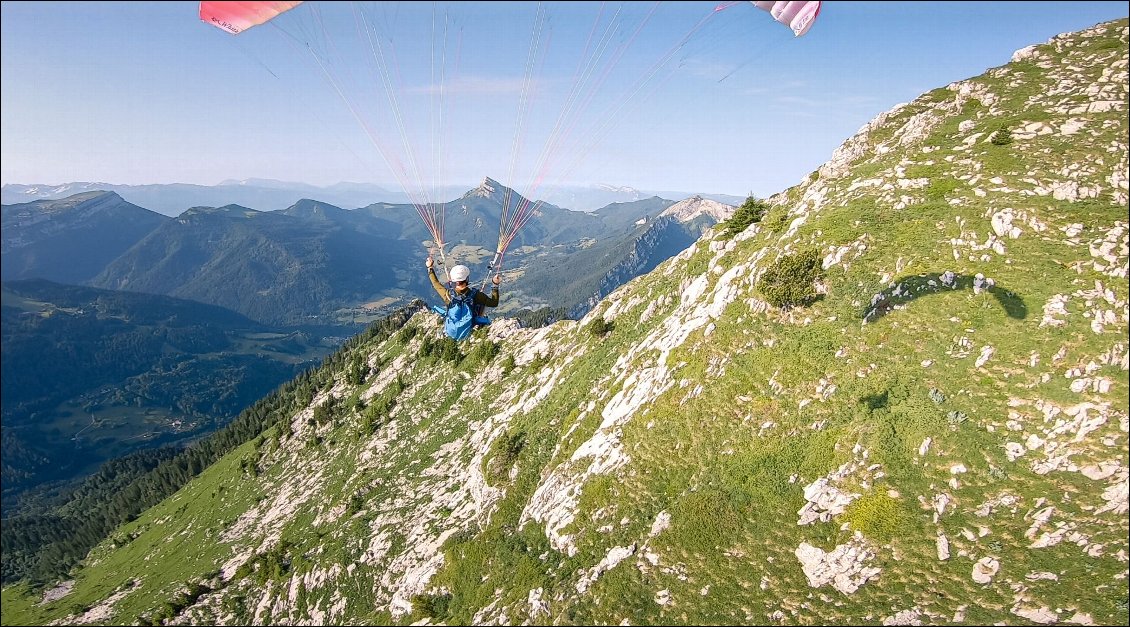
{"x": 911, "y": 288}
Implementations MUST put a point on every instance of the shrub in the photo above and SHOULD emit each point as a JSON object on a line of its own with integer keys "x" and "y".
{"x": 751, "y": 212}
{"x": 369, "y": 425}
{"x": 431, "y": 605}
{"x": 407, "y": 334}
{"x": 1001, "y": 137}
{"x": 599, "y": 327}
{"x": 444, "y": 349}
{"x": 358, "y": 370}
{"x": 776, "y": 220}
{"x": 356, "y": 502}
{"x": 325, "y": 412}
{"x": 876, "y": 515}
{"x": 249, "y": 465}
{"x": 791, "y": 281}
{"x": 504, "y": 452}
{"x": 482, "y": 353}
{"x": 538, "y": 362}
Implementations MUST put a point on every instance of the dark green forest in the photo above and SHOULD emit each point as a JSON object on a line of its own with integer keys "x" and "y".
{"x": 48, "y": 539}
{"x": 90, "y": 375}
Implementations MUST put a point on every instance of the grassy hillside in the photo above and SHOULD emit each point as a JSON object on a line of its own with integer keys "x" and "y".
{"x": 939, "y": 436}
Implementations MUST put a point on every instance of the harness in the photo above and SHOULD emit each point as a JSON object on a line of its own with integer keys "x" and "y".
{"x": 462, "y": 314}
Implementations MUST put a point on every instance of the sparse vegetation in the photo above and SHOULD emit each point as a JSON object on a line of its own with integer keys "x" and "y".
{"x": 877, "y": 515}
{"x": 440, "y": 349}
{"x": 776, "y": 220}
{"x": 481, "y": 353}
{"x": 1001, "y": 137}
{"x": 599, "y": 327}
{"x": 432, "y": 606}
{"x": 791, "y": 281}
{"x": 538, "y": 362}
{"x": 503, "y": 454}
{"x": 750, "y": 212}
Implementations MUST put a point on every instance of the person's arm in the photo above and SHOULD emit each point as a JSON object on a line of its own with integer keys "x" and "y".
{"x": 488, "y": 301}
{"x": 439, "y": 288}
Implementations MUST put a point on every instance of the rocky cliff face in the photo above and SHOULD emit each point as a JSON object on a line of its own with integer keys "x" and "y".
{"x": 669, "y": 233}
{"x": 941, "y": 437}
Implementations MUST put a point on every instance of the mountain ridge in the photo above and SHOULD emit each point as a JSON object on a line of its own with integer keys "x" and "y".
{"x": 171, "y": 199}
{"x": 36, "y": 232}
{"x": 313, "y": 261}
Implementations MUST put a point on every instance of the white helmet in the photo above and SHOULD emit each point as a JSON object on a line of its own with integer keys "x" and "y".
{"x": 460, "y": 273}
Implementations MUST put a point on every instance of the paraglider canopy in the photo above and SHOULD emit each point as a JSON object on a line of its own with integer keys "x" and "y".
{"x": 361, "y": 62}
{"x": 236, "y": 17}
{"x": 798, "y": 16}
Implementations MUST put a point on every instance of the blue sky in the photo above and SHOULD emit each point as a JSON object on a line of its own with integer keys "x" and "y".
{"x": 674, "y": 96}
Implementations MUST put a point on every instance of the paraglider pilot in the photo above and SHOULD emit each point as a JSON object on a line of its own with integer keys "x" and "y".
{"x": 463, "y": 304}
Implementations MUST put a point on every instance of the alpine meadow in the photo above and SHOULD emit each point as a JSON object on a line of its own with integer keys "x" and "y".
{"x": 898, "y": 395}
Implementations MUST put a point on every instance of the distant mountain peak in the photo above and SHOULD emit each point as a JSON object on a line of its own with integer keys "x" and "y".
{"x": 309, "y": 204}
{"x": 83, "y": 197}
{"x": 226, "y": 210}
{"x": 619, "y": 189}
{"x": 495, "y": 191}
{"x": 269, "y": 183}
{"x": 695, "y": 206}
{"x": 487, "y": 189}
{"x": 85, "y": 203}
{"x": 69, "y": 240}
{"x": 313, "y": 209}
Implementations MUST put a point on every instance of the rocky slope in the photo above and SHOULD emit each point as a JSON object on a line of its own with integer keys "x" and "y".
{"x": 940, "y": 437}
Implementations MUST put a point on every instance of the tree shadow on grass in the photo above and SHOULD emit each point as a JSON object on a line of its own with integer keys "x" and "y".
{"x": 914, "y": 287}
